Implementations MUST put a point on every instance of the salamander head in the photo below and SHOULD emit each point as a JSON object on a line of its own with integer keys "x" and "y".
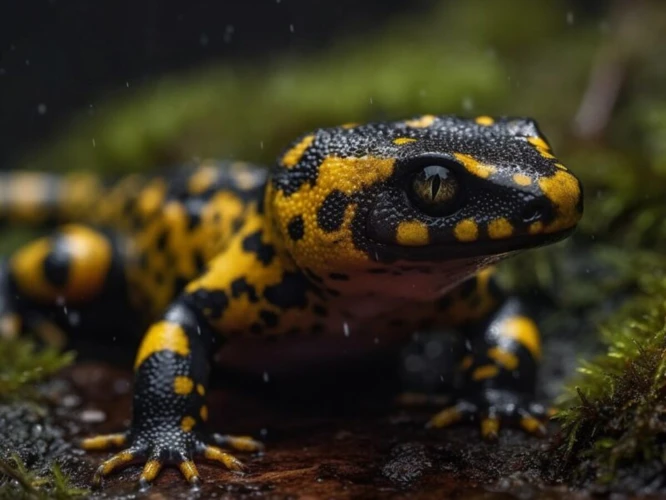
{"x": 432, "y": 189}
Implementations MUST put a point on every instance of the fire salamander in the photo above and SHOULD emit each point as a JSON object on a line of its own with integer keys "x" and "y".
{"x": 383, "y": 227}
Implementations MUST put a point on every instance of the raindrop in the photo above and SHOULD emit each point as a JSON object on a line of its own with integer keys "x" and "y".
{"x": 94, "y": 143}
{"x": 266, "y": 377}
{"x": 27, "y": 62}
{"x": 433, "y": 349}
{"x": 413, "y": 363}
{"x": 263, "y": 432}
{"x": 468, "y": 103}
{"x": 345, "y": 329}
{"x": 291, "y": 28}
{"x": 376, "y": 340}
{"x": 74, "y": 318}
{"x": 41, "y": 108}
{"x": 570, "y": 18}
{"x": 261, "y": 144}
{"x": 228, "y": 33}
{"x": 127, "y": 84}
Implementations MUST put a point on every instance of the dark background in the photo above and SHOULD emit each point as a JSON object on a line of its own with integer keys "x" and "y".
{"x": 59, "y": 56}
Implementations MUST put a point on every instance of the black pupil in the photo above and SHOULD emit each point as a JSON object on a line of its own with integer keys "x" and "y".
{"x": 435, "y": 174}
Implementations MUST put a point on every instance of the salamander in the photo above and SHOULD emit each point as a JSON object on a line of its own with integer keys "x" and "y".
{"x": 382, "y": 227}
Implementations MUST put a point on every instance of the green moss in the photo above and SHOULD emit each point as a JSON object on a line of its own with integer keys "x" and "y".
{"x": 23, "y": 366}
{"x": 615, "y": 413}
{"x": 17, "y": 482}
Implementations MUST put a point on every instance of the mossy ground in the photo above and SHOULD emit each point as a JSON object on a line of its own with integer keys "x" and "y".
{"x": 594, "y": 77}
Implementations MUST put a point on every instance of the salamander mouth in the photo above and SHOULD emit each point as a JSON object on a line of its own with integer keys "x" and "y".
{"x": 489, "y": 248}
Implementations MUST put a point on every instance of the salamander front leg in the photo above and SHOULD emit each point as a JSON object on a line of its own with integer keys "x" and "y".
{"x": 499, "y": 374}
{"x": 169, "y": 407}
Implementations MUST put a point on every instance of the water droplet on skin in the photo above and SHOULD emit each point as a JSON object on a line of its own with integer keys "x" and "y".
{"x": 74, "y": 318}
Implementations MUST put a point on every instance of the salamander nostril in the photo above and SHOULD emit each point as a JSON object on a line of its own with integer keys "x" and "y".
{"x": 533, "y": 211}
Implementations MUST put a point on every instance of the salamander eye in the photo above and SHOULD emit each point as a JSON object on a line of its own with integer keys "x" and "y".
{"x": 435, "y": 191}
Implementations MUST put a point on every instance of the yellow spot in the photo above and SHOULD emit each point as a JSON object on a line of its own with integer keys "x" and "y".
{"x": 151, "y": 469}
{"x": 541, "y": 146}
{"x": 183, "y": 385}
{"x": 522, "y": 179}
{"x": 563, "y": 190}
{"x": 403, "y": 140}
{"x": 489, "y": 427}
{"x": 445, "y": 418}
{"x": 202, "y": 179}
{"x": 422, "y": 122}
{"x": 163, "y": 336}
{"x": 349, "y": 125}
{"x": 121, "y": 458}
{"x": 83, "y": 194}
{"x": 25, "y": 196}
{"x": 535, "y": 227}
{"x": 188, "y": 470}
{"x": 203, "y": 412}
{"x": 103, "y": 442}
{"x": 244, "y": 443}
{"x": 466, "y": 230}
{"x": 216, "y": 454}
{"x": 412, "y": 233}
{"x": 187, "y": 423}
{"x": 90, "y": 259}
{"x": 10, "y": 326}
{"x": 294, "y": 155}
{"x": 500, "y": 228}
{"x": 151, "y": 197}
{"x": 200, "y": 389}
{"x": 474, "y": 167}
{"x": 485, "y": 121}
{"x": 505, "y": 358}
{"x": 531, "y": 425}
{"x": 524, "y": 331}
{"x": 560, "y": 166}
{"x": 484, "y": 372}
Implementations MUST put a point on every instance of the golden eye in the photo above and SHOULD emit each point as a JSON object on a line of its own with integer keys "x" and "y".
{"x": 435, "y": 190}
